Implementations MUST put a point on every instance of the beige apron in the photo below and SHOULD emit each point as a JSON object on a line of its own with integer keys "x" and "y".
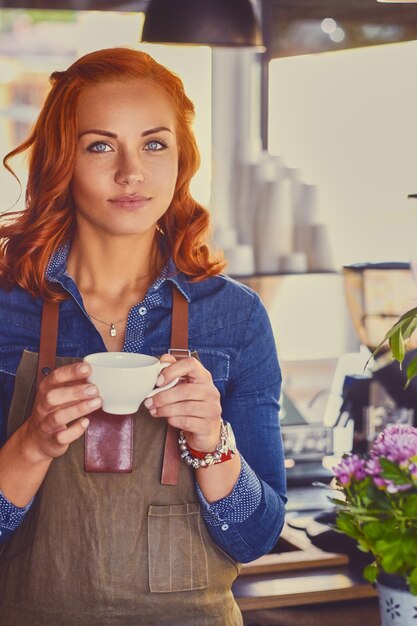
{"x": 108, "y": 549}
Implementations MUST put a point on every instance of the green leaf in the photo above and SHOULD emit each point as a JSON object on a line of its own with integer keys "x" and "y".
{"x": 370, "y": 573}
{"x": 373, "y": 531}
{"x": 345, "y": 523}
{"x": 412, "y": 581}
{"x": 387, "y": 336}
{"x": 397, "y": 345}
{"x": 410, "y": 506}
{"x": 408, "y": 314}
{"x": 397, "y": 553}
{"x": 409, "y": 327}
{"x": 411, "y": 370}
{"x": 398, "y": 333}
{"x": 391, "y": 471}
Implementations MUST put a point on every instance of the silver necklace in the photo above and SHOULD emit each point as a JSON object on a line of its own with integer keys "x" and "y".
{"x": 112, "y": 325}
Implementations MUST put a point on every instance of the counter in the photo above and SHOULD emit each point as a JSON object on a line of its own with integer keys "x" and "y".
{"x": 304, "y": 586}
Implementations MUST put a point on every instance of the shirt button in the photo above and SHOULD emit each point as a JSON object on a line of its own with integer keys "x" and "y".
{"x": 142, "y": 310}
{"x": 225, "y": 526}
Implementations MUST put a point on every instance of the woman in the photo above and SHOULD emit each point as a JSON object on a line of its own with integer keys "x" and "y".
{"x": 112, "y": 234}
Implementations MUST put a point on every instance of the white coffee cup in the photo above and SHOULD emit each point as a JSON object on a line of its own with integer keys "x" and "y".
{"x": 125, "y": 379}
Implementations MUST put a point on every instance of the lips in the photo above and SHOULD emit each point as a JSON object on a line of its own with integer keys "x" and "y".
{"x": 129, "y": 202}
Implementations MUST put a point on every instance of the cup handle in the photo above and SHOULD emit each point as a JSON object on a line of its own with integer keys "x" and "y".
{"x": 162, "y": 366}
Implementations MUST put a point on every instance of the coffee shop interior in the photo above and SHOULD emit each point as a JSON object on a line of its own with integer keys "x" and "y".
{"x": 307, "y": 124}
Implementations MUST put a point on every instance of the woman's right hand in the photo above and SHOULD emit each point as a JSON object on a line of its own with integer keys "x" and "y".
{"x": 63, "y": 401}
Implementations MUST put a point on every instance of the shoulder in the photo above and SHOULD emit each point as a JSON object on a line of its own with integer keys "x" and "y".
{"x": 19, "y": 308}
{"x": 223, "y": 292}
{"x": 20, "y": 316}
{"x": 220, "y": 303}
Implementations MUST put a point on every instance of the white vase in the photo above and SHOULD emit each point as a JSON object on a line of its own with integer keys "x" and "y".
{"x": 305, "y": 214}
{"x": 398, "y": 607}
{"x": 240, "y": 260}
{"x": 319, "y": 251}
{"x": 274, "y": 222}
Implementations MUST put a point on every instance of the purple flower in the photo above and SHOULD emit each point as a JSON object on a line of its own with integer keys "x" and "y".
{"x": 397, "y": 443}
{"x": 374, "y": 469}
{"x": 350, "y": 468}
{"x": 412, "y": 468}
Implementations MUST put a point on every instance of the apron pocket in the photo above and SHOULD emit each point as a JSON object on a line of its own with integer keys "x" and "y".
{"x": 177, "y": 556}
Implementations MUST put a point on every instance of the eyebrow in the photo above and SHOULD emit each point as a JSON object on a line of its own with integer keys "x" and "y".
{"x": 107, "y": 133}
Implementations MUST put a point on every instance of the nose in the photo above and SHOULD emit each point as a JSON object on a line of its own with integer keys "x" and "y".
{"x": 129, "y": 169}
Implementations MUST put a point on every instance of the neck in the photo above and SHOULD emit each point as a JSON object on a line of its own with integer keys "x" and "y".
{"x": 113, "y": 268}
{"x": 113, "y": 275}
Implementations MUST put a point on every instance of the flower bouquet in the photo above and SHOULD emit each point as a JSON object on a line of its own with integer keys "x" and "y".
{"x": 379, "y": 510}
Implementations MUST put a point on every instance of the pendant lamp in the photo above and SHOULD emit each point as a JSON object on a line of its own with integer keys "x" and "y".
{"x": 205, "y": 22}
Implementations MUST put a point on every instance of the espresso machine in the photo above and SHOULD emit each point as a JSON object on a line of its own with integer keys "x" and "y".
{"x": 377, "y": 294}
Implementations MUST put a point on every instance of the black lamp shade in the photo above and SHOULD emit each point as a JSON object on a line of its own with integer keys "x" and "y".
{"x": 207, "y": 22}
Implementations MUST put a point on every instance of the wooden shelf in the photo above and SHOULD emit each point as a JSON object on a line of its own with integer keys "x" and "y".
{"x": 300, "y": 588}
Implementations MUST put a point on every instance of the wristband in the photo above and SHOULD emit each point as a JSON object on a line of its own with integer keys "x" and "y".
{"x": 224, "y": 451}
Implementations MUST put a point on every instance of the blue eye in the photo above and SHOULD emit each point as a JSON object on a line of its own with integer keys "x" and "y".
{"x": 155, "y": 145}
{"x": 99, "y": 146}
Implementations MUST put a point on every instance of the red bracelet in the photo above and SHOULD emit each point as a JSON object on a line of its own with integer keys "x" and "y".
{"x": 223, "y": 452}
{"x": 225, "y": 456}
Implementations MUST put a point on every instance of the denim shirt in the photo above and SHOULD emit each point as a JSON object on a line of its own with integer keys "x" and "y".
{"x": 230, "y": 329}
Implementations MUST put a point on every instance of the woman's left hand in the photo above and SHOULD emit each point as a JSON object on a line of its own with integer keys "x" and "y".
{"x": 193, "y": 405}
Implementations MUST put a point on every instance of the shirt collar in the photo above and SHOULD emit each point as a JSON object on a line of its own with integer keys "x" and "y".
{"x": 57, "y": 272}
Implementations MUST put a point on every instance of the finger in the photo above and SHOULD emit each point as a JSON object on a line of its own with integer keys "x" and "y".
{"x": 72, "y": 432}
{"x": 167, "y": 358}
{"x": 184, "y": 368}
{"x": 67, "y": 394}
{"x": 66, "y": 373}
{"x": 66, "y": 414}
{"x": 201, "y": 392}
{"x": 189, "y": 408}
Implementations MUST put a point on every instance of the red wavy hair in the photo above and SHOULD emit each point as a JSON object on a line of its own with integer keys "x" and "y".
{"x": 28, "y": 238}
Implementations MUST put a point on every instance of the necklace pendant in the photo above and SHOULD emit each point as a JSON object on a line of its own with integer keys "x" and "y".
{"x": 113, "y": 331}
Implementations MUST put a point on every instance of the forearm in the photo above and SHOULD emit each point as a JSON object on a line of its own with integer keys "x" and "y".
{"x": 22, "y": 471}
{"x": 247, "y": 523}
{"x": 217, "y": 481}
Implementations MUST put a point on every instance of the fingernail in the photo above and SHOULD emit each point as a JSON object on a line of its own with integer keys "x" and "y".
{"x": 148, "y": 403}
{"x": 84, "y": 422}
{"x": 83, "y": 368}
{"x": 94, "y": 403}
{"x": 152, "y": 412}
{"x": 91, "y": 390}
{"x": 160, "y": 379}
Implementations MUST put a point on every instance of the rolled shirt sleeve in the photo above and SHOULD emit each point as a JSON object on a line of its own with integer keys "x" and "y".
{"x": 247, "y": 523}
{"x": 11, "y": 516}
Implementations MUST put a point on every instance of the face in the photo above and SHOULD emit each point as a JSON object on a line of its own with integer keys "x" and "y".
{"x": 127, "y": 157}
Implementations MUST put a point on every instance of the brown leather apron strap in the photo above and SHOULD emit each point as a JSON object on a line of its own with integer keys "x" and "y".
{"x": 179, "y": 325}
{"x": 48, "y": 340}
{"x": 179, "y": 349}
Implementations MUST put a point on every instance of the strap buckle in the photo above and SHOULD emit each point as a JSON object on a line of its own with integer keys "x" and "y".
{"x": 179, "y": 353}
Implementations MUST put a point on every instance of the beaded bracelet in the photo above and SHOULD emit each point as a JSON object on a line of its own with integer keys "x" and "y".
{"x": 199, "y": 459}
